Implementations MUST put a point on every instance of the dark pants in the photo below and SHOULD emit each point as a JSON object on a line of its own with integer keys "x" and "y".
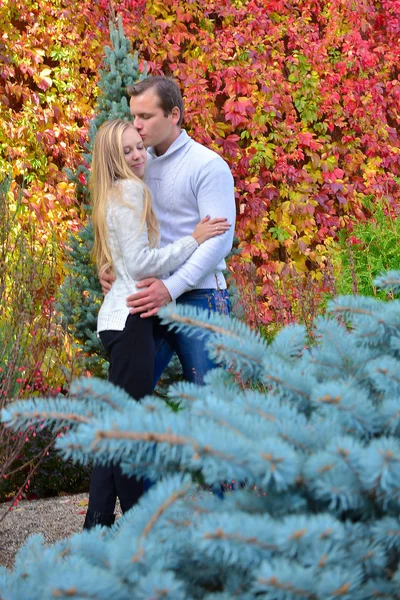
{"x": 131, "y": 353}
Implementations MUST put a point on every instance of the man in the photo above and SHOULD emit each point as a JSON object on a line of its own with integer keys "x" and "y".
{"x": 188, "y": 182}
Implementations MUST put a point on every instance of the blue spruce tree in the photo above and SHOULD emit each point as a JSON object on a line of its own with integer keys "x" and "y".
{"x": 312, "y": 430}
{"x": 80, "y": 297}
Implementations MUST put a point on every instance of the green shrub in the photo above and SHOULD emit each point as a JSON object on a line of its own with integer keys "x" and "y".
{"x": 39, "y": 471}
{"x": 371, "y": 249}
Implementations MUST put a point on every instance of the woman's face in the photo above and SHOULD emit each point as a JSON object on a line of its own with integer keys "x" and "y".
{"x": 134, "y": 151}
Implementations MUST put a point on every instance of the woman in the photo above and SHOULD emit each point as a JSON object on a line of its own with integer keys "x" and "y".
{"x": 125, "y": 238}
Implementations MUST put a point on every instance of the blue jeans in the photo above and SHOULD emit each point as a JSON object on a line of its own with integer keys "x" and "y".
{"x": 191, "y": 350}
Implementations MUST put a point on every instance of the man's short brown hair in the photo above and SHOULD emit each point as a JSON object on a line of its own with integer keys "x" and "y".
{"x": 166, "y": 89}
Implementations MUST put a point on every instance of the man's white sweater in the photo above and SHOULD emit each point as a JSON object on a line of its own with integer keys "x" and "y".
{"x": 187, "y": 183}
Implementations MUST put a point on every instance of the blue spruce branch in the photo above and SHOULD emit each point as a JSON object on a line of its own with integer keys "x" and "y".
{"x": 310, "y": 431}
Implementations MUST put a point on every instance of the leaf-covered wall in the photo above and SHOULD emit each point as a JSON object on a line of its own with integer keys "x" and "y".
{"x": 302, "y": 98}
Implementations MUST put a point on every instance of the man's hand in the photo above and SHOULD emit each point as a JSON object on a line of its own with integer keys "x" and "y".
{"x": 150, "y": 300}
{"x": 106, "y": 279}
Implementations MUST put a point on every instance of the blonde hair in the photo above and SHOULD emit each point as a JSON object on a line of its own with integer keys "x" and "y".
{"x": 108, "y": 166}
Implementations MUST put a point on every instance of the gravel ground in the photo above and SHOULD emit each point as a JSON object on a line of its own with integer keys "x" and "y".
{"x": 54, "y": 517}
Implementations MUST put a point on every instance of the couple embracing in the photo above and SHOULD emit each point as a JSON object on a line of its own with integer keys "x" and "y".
{"x": 164, "y": 223}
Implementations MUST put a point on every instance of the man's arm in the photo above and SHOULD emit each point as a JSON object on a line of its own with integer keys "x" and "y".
{"x": 149, "y": 301}
{"x": 214, "y": 190}
{"x": 215, "y": 196}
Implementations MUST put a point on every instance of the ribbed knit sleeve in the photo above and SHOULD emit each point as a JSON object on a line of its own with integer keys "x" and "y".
{"x": 214, "y": 195}
{"x": 128, "y": 238}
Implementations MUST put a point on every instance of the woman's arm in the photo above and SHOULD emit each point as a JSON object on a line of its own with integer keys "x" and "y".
{"x": 130, "y": 239}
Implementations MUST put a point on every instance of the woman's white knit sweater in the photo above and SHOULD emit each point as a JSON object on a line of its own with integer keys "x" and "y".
{"x": 132, "y": 257}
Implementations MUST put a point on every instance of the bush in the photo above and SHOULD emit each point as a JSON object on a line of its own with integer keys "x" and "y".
{"x": 39, "y": 471}
{"x": 36, "y": 358}
{"x": 314, "y": 434}
{"x": 372, "y": 247}
{"x": 301, "y": 98}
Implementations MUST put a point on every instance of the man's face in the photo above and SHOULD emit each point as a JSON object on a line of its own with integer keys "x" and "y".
{"x": 154, "y": 127}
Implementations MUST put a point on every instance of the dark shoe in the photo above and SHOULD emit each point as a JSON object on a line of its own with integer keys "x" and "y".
{"x": 94, "y": 518}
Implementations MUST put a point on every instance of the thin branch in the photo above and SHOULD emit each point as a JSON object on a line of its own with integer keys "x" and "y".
{"x": 200, "y": 324}
{"x": 52, "y": 415}
{"x": 29, "y": 476}
{"x": 274, "y": 582}
{"x": 157, "y": 515}
{"x": 237, "y": 352}
{"x": 207, "y": 413}
{"x": 219, "y": 534}
{"x": 357, "y": 311}
{"x": 162, "y": 438}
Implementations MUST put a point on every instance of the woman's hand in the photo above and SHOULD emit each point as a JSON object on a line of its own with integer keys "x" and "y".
{"x": 209, "y": 228}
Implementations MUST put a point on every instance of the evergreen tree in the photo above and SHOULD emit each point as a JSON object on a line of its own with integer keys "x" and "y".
{"x": 80, "y": 296}
{"x": 312, "y": 430}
